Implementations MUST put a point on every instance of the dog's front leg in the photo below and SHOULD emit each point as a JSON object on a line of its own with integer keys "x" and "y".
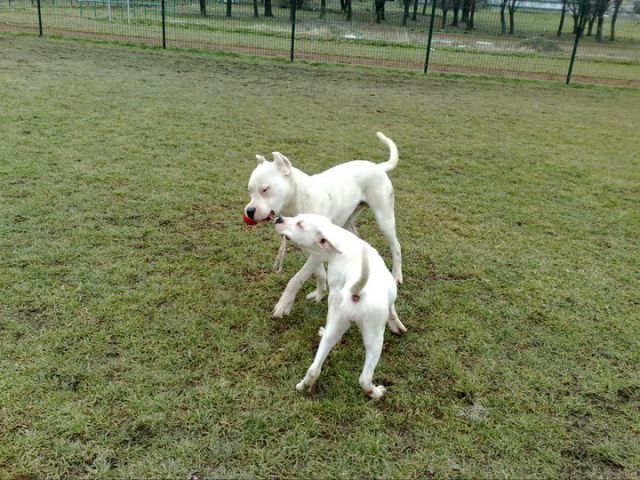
{"x": 277, "y": 265}
{"x": 283, "y": 307}
{"x": 321, "y": 285}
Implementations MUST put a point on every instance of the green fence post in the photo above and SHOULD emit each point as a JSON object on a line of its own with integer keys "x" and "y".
{"x": 293, "y": 28}
{"x": 164, "y": 24}
{"x": 433, "y": 17}
{"x": 39, "y": 18}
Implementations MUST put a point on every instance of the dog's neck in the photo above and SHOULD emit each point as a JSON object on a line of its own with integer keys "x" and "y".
{"x": 298, "y": 199}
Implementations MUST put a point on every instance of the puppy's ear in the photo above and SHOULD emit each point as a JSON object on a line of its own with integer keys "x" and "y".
{"x": 260, "y": 159}
{"x": 282, "y": 162}
{"x": 327, "y": 245}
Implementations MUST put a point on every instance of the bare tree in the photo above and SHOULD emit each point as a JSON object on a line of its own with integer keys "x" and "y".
{"x": 255, "y": 9}
{"x": 471, "y": 14}
{"x": 267, "y": 8}
{"x": 513, "y": 6}
{"x": 203, "y": 8}
{"x": 379, "y": 10}
{"x": 601, "y": 7}
{"x": 456, "y": 12}
{"x": 616, "y": 8}
{"x": 503, "y": 21}
{"x": 446, "y": 6}
{"x": 562, "y": 15}
{"x": 406, "y": 4}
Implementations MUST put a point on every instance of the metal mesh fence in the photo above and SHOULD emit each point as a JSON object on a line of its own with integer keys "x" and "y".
{"x": 509, "y": 38}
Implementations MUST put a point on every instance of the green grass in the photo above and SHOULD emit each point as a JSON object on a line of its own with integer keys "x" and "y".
{"x": 135, "y": 324}
{"x": 482, "y": 51}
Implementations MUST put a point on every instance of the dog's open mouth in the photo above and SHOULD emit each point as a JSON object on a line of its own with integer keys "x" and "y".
{"x": 269, "y": 218}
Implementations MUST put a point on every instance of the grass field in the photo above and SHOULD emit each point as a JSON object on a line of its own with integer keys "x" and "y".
{"x": 135, "y": 324}
{"x": 533, "y": 52}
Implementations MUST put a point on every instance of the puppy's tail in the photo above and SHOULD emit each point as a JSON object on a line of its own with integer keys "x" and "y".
{"x": 393, "y": 152}
{"x": 357, "y": 287}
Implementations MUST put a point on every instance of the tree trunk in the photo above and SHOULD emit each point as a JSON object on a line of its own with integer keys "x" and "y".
{"x": 466, "y": 7}
{"x": 503, "y": 21}
{"x": 348, "y": 5}
{"x": 456, "y": 15}
{"x": 472, "y": 15}
{"x": 267, "y": 8}
{"x": 512, "y": 27}
{"x": 414, "y": 17}
{"x": 592, "y": 20}
{"x": 255, "y": 9}
{"x": 599, "y": 27}
{"x": 203, "y": 8}
{"x": 228, "y": 8}
{"x": 323, "y": 8}
{"x": 444, "y": 18}
{"x": 614, "y": 17}
{"x": 562, "y": 15}
{"x": 406, "y": 4}
{"x": 424, "y": 7}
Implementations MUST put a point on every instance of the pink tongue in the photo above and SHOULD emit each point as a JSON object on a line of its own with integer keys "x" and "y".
{"x": 248, "y": 221}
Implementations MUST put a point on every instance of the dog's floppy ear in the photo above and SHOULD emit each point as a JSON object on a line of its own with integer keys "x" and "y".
{"x": 282, "y": 162}
{"x": 260, "y": 159}
{"x": 325, "y": 243}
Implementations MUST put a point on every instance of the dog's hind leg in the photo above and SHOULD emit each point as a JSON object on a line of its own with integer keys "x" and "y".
{"x": 333, "y": 332}
{"x": 381, "y": 200}
{"x": 350, "y": 224}
{"x": 372, "y": 338}
{"x": 395, "y": 325}
{"x": 387, "y": 224}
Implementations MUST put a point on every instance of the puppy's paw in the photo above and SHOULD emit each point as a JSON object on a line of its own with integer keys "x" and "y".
{"x": 398, "y": 277}
{"x": 396, "y": 327}
{"x": 316, "y": 296}
{"x": 301, "y": 387}
{"x": 282, "y": 309}
{"x": 321, "y": 331}
{"x": 377, "y": 392}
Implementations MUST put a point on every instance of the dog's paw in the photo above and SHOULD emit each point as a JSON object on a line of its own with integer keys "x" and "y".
{"x": 321, "y": 331}
{"x": 398, "y": 278}
{"x": 377, "y": 392}
{"x": 301, "y": 387}
{"x": 396, "y": 327}
{"x": 282, "y": 309}
{"x": 316, "y": 295}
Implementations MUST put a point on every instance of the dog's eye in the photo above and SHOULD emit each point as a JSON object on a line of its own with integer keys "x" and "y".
{"x": 299, "y": 225}
{"x": 265, "y": 190}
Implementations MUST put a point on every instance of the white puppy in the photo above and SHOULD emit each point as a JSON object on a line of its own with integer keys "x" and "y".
{"x": 277, "y": 188}
{"x": 362, "y": 291}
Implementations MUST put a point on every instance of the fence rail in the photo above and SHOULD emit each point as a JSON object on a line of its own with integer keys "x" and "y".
{"x": 588, "y": 41}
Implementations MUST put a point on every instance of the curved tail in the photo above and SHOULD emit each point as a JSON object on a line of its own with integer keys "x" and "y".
{"x": 357, "y": 287}
{"x": 393, "y": 152}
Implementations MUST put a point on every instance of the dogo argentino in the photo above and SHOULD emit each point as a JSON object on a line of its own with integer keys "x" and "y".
{"x": 278, "y": 188}
{"x": 362, "y": 291}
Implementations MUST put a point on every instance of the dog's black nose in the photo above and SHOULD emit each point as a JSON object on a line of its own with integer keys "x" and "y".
{"x": 251, "y": 212}
{"x": 279, "y": 220}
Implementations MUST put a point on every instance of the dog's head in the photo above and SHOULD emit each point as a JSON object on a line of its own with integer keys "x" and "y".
{"x": 270, "y": 188}
{"x": 309, "y": 231}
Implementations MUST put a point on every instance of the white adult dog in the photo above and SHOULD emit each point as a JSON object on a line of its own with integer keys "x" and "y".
{"x": 277, "y": 188}
{"x": 362, "y": 291}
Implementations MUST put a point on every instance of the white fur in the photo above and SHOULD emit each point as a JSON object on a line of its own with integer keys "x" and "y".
{"x": 361, "y": 291}
{"x": 278, "y": 188}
